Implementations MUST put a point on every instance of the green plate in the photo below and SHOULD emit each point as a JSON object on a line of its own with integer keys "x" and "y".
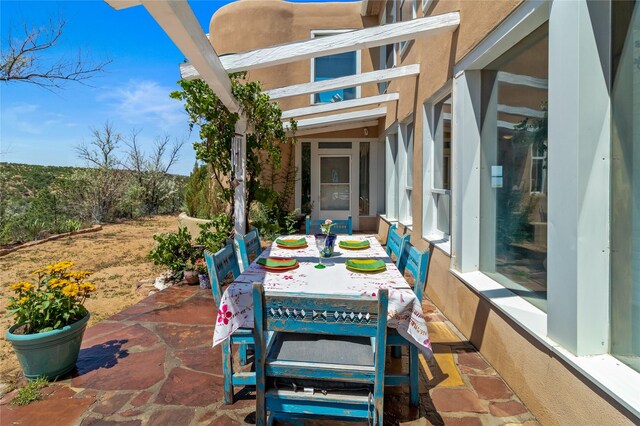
{"x": 293, "y": 242}
{"x": 366, "y": 265}
{"x": 276, "y": 262}
{"x": 354, "y": 244}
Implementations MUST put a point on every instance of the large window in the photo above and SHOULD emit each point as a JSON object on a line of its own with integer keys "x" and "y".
{"x": 405, "y": 173}
{"x": 365, "y": 183}
{"x": 513, "y": 226}
{"x": 392, "y": 164}
{"x": 437, "y": 166}
{"x": 334, "y": 66}
{"x": 625, "y": 202}
{"x": 388, "y": 52}
{"x": 407, "y": 11}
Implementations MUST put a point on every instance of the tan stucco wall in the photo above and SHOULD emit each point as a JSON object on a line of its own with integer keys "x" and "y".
{"x": 552, "y": 390}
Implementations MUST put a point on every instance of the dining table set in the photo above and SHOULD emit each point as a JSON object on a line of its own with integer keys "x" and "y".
{"x": 358, "y": 265}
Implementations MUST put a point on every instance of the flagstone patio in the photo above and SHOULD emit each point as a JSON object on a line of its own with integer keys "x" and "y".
{"x": 153, "y": 364}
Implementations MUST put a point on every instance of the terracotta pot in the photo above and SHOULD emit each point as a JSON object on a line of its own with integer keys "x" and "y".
{"x": 191, "y": 277}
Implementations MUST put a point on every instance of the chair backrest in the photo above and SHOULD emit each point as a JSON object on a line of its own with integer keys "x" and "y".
{"x": 395, "y": 241}
{"x": 340, "y": 226}
{"x": 416, "y": 262}
{"x": 247, "y": 245}
{"x": 320, "y": 313}
{"x": 219, "y": 266}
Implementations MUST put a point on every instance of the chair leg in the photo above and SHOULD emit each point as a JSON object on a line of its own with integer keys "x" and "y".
{"x": 396, "y": 351}
{"x": 227, "y": 370}
{"x": 243, "y": 354}
{"x": 414, "y": 394}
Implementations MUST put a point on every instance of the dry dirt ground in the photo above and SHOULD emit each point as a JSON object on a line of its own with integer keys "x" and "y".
{"x": 116, "y": 255}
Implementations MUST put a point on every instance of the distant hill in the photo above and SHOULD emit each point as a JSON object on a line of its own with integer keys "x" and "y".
{"x": 25, "y": 180}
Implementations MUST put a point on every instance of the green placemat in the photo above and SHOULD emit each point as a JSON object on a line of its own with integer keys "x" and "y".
{"x": 273, "y": 262}
{"x": 354, "y": 243}
{"x": 366, "y": 264}
{"x": 291, "y": 242}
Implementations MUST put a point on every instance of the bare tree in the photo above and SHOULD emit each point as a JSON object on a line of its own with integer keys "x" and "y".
{"x": 151, "y": 171}
{"x": 22, "y": 59}
{"x": 101, "y": 151}
{"x": 104, "y": 189}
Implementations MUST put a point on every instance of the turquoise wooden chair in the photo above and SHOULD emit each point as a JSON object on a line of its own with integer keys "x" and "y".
{"x": 416, "y": 263}
{"x": 340, "y": 226}
{"x": 326, "y": 356}
{"x": 395, "y": 241}
{"x": 220, "y": 264}
{"x": 248, "y": 245}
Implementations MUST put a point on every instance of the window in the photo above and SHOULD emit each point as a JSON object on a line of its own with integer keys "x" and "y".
{"x": 305, "y": 204}
{"x": 388, "y": 52}
{"x": 513, "y": 195}
{"x": 437, "y": 165}
{"x": 334, "y": 66}
{"x": 625, "y": 200}
{"x": 407, "y": 12}
{"x": 405, "y": 171}
{"x": 365, "y": 161}
{"x": 391, "y": 176}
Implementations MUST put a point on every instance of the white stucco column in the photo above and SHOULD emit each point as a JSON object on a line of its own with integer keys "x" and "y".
{"x": 239, "y": 164}
{"x": 579, "y": 182}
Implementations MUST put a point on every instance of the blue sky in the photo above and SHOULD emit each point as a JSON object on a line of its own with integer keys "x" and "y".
{"x": 41, "y": 127}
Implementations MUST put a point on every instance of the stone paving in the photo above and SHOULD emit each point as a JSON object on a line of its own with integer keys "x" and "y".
{"x": 153, "y": 364}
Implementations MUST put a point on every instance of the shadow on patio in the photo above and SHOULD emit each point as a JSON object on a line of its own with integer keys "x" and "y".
{"x": 153, "y": 364}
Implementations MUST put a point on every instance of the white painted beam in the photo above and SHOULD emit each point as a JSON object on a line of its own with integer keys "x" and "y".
{"x": 523, "y": 80}
{"x": 339, "y": 43}
{"x": 122, "y": 4}
{"x": 337, "y": 106}
{"x": 337, "y": 127}
{"x": 344, "y": 82}
{"x": 177, "y": 19}
{"x": 336, "y": 119}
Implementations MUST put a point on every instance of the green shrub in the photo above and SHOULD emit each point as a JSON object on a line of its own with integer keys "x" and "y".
{"x": 174, "y": 250}
{"x": 30, "y": 391}
{"x": 213, "y": 235}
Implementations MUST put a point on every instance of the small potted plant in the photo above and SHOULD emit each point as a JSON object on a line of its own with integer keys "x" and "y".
{"x": 203, "y": 273}
{"x": 175, "y": 251}
{"x": 50, "y": 319}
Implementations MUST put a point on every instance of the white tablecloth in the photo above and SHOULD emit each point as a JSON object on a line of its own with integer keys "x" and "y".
{"x": 405, "y": 311}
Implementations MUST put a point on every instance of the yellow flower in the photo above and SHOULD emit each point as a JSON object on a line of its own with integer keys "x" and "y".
{"x": 23, "y": 300}
{"x": 51, "y": 297}
{"x": 21, "y": 286}
{"x": 10, "y": 304}
{"x": 77, "y": 275}
{"x": 70, "y": 290}
{"x": 88, "y": 287}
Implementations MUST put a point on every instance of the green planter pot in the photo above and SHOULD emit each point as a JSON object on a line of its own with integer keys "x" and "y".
{"x": 50, "y": 354}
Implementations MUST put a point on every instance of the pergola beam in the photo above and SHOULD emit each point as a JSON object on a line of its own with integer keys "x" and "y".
{"x": 338, "y": 119}
{"x": 337, "y": 106}
{"x": 339, "y": 43}
{"x": 337, "y": 127}
{"x": 177, "y": 20}
{"x": 344, "y": 82}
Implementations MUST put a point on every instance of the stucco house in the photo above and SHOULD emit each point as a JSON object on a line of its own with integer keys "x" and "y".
{"x": 503, "y": 136}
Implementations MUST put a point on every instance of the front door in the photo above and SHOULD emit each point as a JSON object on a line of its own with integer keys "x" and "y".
{"x": 335, "y": 186}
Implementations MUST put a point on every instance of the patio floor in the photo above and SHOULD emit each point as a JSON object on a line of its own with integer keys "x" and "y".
{"x": 153, "y": 364}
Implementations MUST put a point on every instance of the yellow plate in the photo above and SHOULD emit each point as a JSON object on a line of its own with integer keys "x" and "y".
{"x": 351, "y": 268}
{"x": 353, "y": 248}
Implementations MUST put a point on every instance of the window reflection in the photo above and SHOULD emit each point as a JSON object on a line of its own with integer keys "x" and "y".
{"x": 515, "y": 145}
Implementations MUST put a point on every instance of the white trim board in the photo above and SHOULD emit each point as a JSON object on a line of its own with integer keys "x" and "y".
{"x": 331, "y": 45}
{"x": 337, "y": 106}
{"x": 336, "y": 128}
{"x": 523, "y": 80}
{"x": 344, "y": 82}
{"x": 347, "y": 117}
{"x": 180, "y": 24}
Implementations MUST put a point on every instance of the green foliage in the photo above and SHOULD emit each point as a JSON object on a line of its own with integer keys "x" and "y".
{"x": 213, "y": 235}
{"x": 37, "y": 201}
{"x": 30, "y": 391}
{"x": 57, "y": 299}
{"x": 264, "y": 135}
{"x": 273, "y": 220}
{"x": 174, "y": 250}
{"x": 203, "y": 198}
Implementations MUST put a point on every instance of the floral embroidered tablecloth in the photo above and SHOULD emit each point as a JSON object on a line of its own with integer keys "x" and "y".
{"x": 405, "y": 310}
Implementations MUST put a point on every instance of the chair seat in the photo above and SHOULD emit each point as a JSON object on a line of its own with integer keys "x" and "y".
{"x": 325, "y": 349}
